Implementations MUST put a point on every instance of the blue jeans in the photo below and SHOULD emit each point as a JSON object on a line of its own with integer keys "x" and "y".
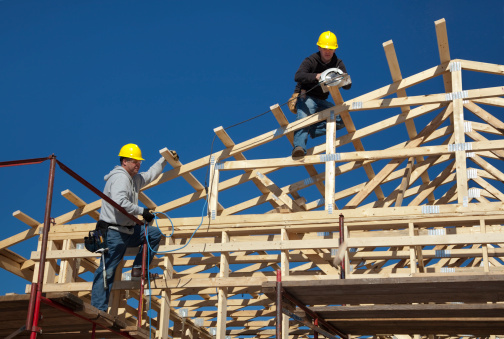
{"x": 307, "y": 106}
{"x": 117, "y": 243}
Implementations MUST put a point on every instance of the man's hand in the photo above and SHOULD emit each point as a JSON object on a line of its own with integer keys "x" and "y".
{"x": 147, "y": 215}
{"x": 175, "y": 155}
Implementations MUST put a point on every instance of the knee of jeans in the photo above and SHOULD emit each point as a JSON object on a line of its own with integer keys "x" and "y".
{"x": 110, "y": 273}
{"x": 154, "y": 234}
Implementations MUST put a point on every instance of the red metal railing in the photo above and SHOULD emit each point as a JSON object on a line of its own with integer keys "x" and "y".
{"x": 36, "y": 289}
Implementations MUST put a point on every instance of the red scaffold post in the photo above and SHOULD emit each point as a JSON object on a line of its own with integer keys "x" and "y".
{"x": 36, "y": 289}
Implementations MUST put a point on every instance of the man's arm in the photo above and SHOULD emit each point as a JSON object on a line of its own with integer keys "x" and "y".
{"x": 305, "y": 73}
{"x": 119, "y": 193}
{"x": 153, "y": 172}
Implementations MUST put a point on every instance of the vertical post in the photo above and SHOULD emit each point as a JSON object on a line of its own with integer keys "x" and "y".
{"x": 413, "y": 264}
{"x": 484, "y": 248}
{"x": 223, "y": 291}
{"x": 330, "y": 171}
{"x": 341, "y": 240}
{"x": 36, "y": 290}
{"x": 164, "y": 313}
{"x": 315, "y": 333}
{"x": 284, "y": 263}
{"x": 458, "y": 133}
{"x": 279, "y": 305}
{"x": 214, "y": 188}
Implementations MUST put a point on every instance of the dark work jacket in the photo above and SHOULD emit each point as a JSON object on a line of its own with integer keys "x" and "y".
{"x": 308, "y": 70}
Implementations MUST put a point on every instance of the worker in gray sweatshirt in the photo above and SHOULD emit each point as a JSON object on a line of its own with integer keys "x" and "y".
{"x": 122, "y": 185}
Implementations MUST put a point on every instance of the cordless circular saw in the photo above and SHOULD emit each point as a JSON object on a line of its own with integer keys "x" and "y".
{"x": 334, "y": 77}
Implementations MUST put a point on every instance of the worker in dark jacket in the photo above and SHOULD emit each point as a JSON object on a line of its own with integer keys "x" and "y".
{"x": 312, "y": 98}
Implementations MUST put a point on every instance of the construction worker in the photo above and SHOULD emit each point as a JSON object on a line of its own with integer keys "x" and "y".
{"x": 122, "y": 185}
{"x": 312, "y": 98}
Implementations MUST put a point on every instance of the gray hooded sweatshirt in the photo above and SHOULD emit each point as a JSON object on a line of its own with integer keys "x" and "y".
{"x": 124, "y": 189}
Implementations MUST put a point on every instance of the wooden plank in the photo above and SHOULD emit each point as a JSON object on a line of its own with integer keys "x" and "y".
{"x": 26, "y": 219}
{"x": 278, "y": 193}
{"x": 405, "y": 182}
{"x": 481, "y": 67}
{"x": 20, "y": 237}
{"x": 458, "y": 132}
{"x": 229, "y": 143}
{"x": 438, "y": 181}
{"x": 282, "y": 121}
{"x": 444, "y": 49}
{"x": 360, "y": 156}
{"x": 350, "y": 127}
{"x": 270, "y": 136}
{"x": 484, "y": 115}
{"x": 223, "y": 292}
{"x": 74, "y": 199}
{"x": 213, "y": 190}
{"x": 330, "y": 175}
{"x": 395, "y": 72}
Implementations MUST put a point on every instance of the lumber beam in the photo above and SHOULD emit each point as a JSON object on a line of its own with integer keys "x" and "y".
{"x": 26, "y": 219}
{"x": 74, "y": 199}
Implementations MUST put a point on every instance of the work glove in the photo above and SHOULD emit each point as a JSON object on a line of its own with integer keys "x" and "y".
{"x": 147, "y": 215}
{"x": 175, "y": 155}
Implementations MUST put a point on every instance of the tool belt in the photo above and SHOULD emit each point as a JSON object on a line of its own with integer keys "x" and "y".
{"x": 97, "y": 239}
{"x": 292, "y": 103}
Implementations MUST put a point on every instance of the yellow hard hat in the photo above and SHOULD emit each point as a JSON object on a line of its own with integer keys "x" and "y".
{"x": 327, "y": 40}
{"x": 131, "y": 151}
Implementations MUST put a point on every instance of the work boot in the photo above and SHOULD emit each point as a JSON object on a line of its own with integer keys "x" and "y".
{"x": 136, "y": 273}
{"x": 298, "y": 152}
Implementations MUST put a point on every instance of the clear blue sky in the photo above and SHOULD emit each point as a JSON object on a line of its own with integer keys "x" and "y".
{"x": 82, "y": 78}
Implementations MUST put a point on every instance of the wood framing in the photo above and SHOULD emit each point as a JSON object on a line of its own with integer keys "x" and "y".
{"x": 423, "y": 214}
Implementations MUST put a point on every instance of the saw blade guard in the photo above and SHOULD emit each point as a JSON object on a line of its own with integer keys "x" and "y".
{"x": 332, "y": 77}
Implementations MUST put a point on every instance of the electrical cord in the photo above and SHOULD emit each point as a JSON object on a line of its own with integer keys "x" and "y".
{"x": 150, "y": 249}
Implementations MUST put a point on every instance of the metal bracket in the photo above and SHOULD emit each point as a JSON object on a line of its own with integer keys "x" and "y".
{"x": 455, "y": 66}
{"x": 467, "y": 126}
{"x": 466, "y": 146}
{"x": 430, "y": 209}
{"x": 329, "y": 208}
{"x": 279, "y": 131}
{"x": 456, "y": 95}
{"x": 438, "y": 231}
{"x": 447, "y": 270}
{"x": 472, "y": 173}
{"x": 474, "y": 192}
{"x": 443, "y": 253}
{"x": 308, "y": 181}
{"x": 330, "y": 157}
{"x": 357, "y": 105}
